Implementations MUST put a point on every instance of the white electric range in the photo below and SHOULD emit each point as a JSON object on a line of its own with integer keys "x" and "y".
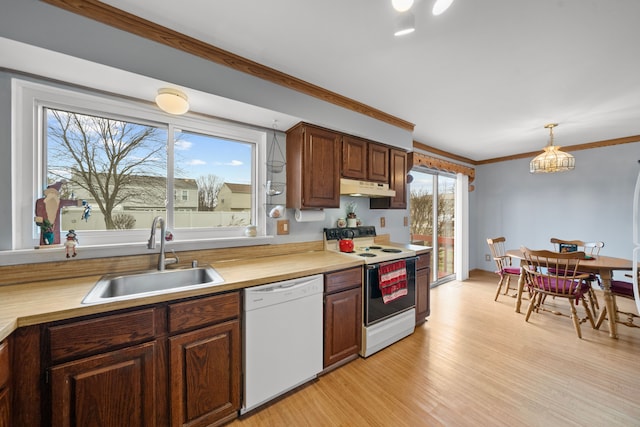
{"x": 383, "y": 322}
{"x": 364, "y": 245}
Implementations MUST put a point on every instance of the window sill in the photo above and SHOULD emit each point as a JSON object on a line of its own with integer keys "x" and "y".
{"x": 57, "y": 252}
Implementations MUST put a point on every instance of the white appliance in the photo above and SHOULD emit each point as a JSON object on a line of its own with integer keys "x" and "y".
{"x": 636, "y": 241}
{"x": 364, "y": 245}
{"x": 283, "y": 345}
{"x": 383, "y": 323}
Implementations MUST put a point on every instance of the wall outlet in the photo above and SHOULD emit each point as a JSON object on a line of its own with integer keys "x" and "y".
{"x": 406, "y": 221}
{"x": 487, "y": 257}
{"x": 283, "y": 226}
{"x": 382, "y": 222}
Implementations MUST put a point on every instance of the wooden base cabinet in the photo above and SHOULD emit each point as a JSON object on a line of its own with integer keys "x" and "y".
{"x": 205, "y": 375}
{"x": 169, "y": 364}
{"x": 205, "y": 360}
{"x": 113, "y": 389}
{"x": 342, "y": 316}
{"x": 5, "y": 384}
{"x": 423, "y": 283}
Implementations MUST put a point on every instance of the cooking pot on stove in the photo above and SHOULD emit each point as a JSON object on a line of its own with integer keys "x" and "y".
{"x": 346, "y": 242}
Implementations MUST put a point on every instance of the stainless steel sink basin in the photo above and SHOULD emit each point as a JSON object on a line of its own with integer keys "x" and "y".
{"x": 135, "y": 285}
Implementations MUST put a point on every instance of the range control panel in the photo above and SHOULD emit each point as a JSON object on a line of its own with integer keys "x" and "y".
{"x": 349, "y": 233}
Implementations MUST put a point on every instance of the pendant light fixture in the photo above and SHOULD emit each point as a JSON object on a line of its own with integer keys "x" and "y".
{"x": 552, "y": 159}
{"x": 173, "y": 101}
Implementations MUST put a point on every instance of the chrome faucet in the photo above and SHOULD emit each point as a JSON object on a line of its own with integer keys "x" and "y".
{"x": 162, "y": 261}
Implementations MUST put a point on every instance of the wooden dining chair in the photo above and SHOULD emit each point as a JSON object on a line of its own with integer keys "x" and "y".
{"x": 591, "y": 249}
{"x": 557, "y": 274}
{"x": 505, "y": 268}
{"x": 622, "y": 289}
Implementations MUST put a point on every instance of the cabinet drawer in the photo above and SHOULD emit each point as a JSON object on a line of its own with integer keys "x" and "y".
{"x": 204, "y": 311}
{"x": 97, "y": 335}
{"x": 341, "y": 280}
{"x": 4, "y": 363}
{"x": 423, "y": 261}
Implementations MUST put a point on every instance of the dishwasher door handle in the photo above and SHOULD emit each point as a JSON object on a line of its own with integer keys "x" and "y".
{"x": 281, "y": 288}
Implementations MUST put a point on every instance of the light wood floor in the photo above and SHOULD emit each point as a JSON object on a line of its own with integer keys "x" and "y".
{"x": 477, "y": 363}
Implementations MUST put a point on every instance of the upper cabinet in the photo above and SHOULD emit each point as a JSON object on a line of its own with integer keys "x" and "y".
{"x": 378, "y": 162}
{"x": 354, "y": 158}
{"x": 397, "y": 182}
{"x": 317, "y": 158}
{"x": 313, "y": 167}
{"x": 364, "y": 160}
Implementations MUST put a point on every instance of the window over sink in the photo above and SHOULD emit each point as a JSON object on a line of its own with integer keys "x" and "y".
{"x": 121, "y": 159}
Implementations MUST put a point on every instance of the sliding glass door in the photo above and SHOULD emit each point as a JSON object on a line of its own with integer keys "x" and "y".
{"x": 432, "y": 209}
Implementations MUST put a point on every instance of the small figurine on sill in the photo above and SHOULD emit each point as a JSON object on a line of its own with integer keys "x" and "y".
{"x": 86, "y": 213}
{"x": 71, "y": 243}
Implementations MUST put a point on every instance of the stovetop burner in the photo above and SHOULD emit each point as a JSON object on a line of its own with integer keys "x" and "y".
{"x": 391, "y": 250}
{"x": 375, "y": 247}
{"x": 367, "y": 254}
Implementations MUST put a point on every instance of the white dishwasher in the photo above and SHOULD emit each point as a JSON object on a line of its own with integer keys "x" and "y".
{"x": 282, "y": 337}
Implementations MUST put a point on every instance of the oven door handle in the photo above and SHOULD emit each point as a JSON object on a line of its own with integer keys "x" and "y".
{"x": 377, "y": 265}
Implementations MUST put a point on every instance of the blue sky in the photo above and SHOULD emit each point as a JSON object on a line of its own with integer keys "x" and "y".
{"x": 198, "y": 155}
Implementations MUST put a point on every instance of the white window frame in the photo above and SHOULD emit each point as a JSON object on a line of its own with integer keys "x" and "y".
{"x": 28, "y": 157}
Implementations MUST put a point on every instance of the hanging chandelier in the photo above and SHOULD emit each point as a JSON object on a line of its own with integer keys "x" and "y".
{"x": 552, "y": 159}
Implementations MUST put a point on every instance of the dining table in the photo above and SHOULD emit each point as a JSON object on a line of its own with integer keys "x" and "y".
{"x": 602, "y": 265}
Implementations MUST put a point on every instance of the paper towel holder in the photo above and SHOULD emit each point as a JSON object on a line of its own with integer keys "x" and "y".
{"x": 309, "y": 215}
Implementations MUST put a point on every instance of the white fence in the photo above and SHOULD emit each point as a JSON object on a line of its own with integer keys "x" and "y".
{"x": 72, "y": 219}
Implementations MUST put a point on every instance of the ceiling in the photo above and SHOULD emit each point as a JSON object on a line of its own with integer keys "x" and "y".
{"x": 479, "y": 81}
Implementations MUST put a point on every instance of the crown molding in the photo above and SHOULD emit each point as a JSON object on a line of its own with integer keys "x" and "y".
{"x": 125, "y": 21}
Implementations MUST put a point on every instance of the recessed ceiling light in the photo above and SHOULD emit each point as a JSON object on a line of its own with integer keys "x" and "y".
{"x": 441, "y": 6}
{"x": 402, "y": 5}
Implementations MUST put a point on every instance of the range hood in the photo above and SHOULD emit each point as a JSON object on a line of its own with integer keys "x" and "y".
{"x": 352, "y": 187}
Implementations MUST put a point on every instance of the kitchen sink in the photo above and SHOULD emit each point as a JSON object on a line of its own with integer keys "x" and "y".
{"x": 118, "y": 287}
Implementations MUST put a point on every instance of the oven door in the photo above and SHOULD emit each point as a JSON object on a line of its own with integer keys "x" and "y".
{"x": 375, "y": 310}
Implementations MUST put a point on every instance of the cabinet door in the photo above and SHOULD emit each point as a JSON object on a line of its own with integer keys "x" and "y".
{"x": 112, "y": 389}
{"x": 205, "y": 375}
{"x": 343, "y": 325}
{"x": 5, "y": 407}
{"x": 397, "y": 182}
{"x": 5, "y": 387}
{"x": 422, "y": 295}
{"x": 354, "y": 158}
{"x": 321, "y": 169}
{"x": 378, "y": 163}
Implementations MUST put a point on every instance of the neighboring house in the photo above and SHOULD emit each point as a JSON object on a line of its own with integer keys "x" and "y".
{"x": 234, "y": 197}
{"x": 149, "y": 193}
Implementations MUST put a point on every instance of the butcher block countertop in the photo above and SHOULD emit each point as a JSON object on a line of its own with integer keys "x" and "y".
{"x": 43, "y": 301}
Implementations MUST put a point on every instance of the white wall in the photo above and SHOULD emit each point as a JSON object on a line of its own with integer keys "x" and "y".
{"x": 592, "y": 202}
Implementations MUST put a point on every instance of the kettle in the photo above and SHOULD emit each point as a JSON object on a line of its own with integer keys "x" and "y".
{"x": 346, "y": 242}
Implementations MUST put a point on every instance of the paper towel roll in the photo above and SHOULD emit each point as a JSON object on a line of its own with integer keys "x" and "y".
{"x": 309, "y": 216}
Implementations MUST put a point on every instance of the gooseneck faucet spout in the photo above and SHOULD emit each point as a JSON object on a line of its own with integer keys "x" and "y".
{"x": 151, "y": 244}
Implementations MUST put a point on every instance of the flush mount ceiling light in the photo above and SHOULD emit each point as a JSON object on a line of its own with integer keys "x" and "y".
{"x": 405, "y": 24}
{"x": 172, "y": 101}
{"x": 552, "y": 159}
{"x": 402, "y": 5}
{"x": 441, "y": 6}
